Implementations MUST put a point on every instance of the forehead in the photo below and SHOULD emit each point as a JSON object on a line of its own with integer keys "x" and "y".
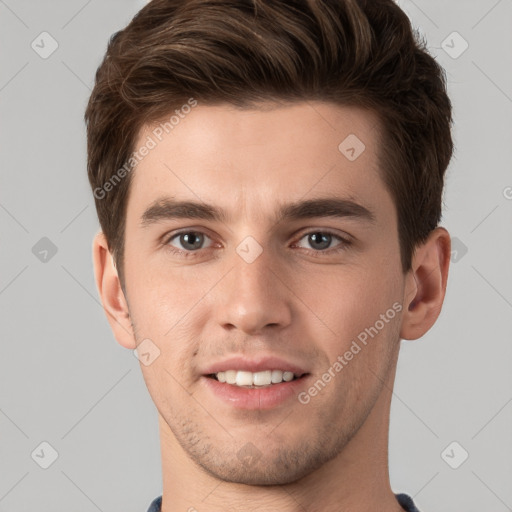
{"x": 219, "y": 154}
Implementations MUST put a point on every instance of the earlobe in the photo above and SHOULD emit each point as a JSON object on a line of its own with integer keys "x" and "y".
{"x": 111, "y": 293}
{"x": 426, "y": 285}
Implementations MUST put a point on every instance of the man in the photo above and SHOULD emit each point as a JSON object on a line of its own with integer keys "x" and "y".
{"x": 268, "y": 180}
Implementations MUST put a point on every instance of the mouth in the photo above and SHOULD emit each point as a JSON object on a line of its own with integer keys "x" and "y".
{"x": 255, "y": 390}
{"x": 255, "y": 380}
{"x": 259, "y": 383}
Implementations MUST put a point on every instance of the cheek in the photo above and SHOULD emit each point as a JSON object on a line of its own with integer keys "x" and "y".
{"x": 351, "y": 303}
{"x": 161, "y": 296}
{"x": 160, "y": 313}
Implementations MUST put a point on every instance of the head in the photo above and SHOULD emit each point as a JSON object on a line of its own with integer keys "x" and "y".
{"x": 244, "y": 106}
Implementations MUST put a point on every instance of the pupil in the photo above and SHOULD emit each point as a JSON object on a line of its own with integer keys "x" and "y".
{"x": 192, "y": 239}
{"x": 316, "y": 238}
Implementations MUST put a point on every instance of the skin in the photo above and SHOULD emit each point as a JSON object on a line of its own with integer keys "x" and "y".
{"x": 294, "y": 300}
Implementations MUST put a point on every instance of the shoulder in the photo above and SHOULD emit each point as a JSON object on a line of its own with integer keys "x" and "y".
{"x": 405, "y": 502}
{"x": 156, "y": 504}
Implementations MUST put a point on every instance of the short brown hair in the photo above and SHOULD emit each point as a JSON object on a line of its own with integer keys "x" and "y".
{"x": 350, "y": 52}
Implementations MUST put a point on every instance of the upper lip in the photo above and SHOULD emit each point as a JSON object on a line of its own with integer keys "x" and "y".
{"x": 254, "y": 364}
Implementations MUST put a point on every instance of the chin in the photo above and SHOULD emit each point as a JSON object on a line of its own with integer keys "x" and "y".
{"x": 279, "y": 468}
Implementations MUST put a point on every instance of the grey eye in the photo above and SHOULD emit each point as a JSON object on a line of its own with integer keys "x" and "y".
{"x": 189, "y": 240}
{"x": 319, "y": 240}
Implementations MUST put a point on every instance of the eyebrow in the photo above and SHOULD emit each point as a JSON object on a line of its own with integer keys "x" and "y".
{"x": 168, "y": 208}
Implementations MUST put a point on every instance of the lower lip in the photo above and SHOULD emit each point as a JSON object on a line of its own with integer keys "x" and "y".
{"x": 255, "y": 398}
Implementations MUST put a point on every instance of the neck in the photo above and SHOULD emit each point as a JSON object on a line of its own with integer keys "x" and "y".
{"x": 357, "y": 480}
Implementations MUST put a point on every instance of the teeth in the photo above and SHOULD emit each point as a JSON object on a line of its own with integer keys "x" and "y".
{"x": 231, "y": 376}
{"x": 287, "y": 376}
{"x": 264, "y": 378}
{"x": 277, "y": 376}
{"x": 244, "y": 379}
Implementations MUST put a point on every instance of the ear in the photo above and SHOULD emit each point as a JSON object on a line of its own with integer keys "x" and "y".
{"x": 426, "y": 285}
{"x": 111, "y": 293}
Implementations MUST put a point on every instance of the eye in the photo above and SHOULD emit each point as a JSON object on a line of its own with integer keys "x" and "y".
{"x": 187, "y": 240}
{"x": 322, "y": 240}
{"x": 188, "y": 243}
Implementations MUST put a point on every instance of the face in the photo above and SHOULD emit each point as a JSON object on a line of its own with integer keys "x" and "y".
{"x": 258, "y": 249}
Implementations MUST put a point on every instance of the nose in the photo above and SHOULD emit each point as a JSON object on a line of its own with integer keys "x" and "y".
{"x": 254, "y": 296}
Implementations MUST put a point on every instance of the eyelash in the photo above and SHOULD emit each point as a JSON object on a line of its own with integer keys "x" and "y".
{"x": 342, "y": 246}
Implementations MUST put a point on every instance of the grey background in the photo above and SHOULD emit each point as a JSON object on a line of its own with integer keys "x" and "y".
{"x": 64, "y": 380}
